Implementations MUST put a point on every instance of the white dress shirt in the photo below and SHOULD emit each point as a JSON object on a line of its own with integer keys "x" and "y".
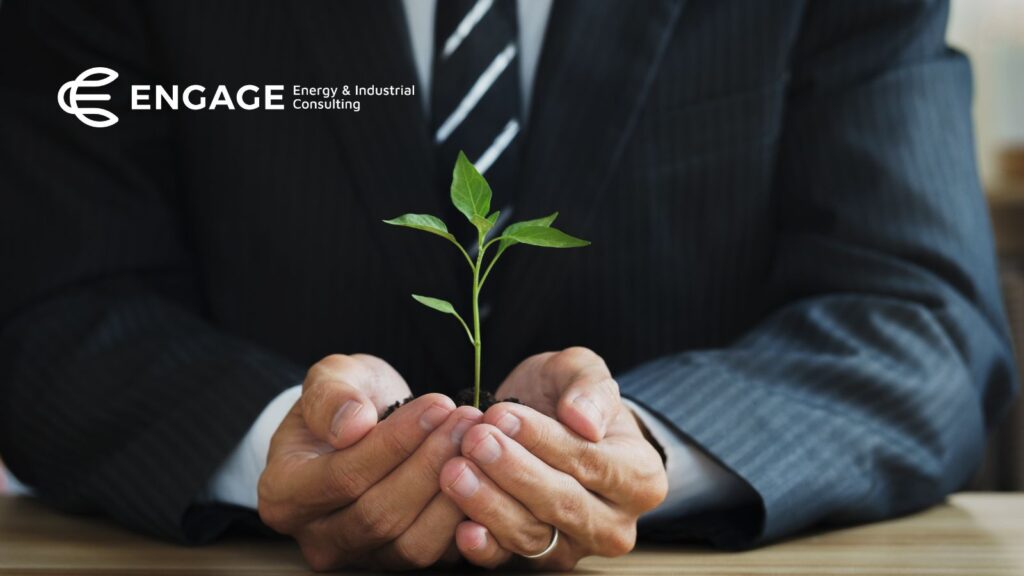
{"x": 696, "y": 482}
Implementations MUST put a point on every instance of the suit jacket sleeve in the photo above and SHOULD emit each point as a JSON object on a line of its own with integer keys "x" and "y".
{"x": 116, "y": 395}
{"x": 866, "y": 393}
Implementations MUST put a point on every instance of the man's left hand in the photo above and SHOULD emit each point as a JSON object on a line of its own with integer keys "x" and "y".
{"x": 576, "y": 461}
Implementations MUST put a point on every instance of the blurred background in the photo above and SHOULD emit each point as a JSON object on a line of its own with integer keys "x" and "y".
{"x": 991, "y": 32}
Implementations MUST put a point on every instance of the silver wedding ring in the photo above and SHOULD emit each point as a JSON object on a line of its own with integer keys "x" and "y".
{"x": 546, "y": 551}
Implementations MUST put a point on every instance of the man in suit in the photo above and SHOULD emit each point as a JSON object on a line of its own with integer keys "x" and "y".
{"x": 789, "y": 315}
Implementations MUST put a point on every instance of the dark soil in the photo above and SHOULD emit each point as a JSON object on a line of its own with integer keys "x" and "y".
{"x": 463, "y": 398}
{"x": 398, "y": 404}
{"x": 487, "y": 399}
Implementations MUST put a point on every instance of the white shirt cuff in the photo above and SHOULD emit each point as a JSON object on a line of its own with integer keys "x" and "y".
{"x": 236, "y": 481}
{"x": 696, "y": 483}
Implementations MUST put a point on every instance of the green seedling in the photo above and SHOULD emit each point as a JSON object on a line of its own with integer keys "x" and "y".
{"x": 471, "y": 195}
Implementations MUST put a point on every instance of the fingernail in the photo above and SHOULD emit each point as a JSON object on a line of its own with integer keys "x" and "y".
{"x": 480, "y": 541}
{"x": 433, "y": 417}
{"x": 509, "y": 424}
{"x": 460, "y": 430}
{"x": 344, "y": 414}
{"x": 590, "y": 410}
{"x": 466, "y": 484}
{"x": 487, "y": 450}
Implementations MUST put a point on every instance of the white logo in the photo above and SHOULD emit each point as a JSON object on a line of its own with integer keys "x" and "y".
{"x": 68, "y": 97}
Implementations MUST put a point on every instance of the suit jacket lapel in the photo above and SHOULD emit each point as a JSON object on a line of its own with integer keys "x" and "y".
{"x": 597, "y": 64}
{"x": 386, "y": 146}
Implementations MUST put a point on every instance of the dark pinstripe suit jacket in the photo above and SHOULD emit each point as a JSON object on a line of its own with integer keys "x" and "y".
{"x": 792, "y": 262}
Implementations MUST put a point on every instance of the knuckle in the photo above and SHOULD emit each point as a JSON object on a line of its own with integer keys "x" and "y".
{"x": 651, "y": 485}
{"x": 579, "y": 362}
{"x": 270, "y": 511}
{"x": 538, "y": 359}
{"x": 652, "y": 497}
{"x": 265, "y": 489}
{"x": 532, "y": 540}
{"x": 581, "y": 354}
{"x": 569, "y": 509}
{"x": 558, "y": 363}
{"x": 374, "y": 366}
{"x": 273, "y": 516}
{"x": 620, "y": 482}
{"x": 337, "y": 362}
{"x": 327, "y": 365}
{"x": 618, "y": 542}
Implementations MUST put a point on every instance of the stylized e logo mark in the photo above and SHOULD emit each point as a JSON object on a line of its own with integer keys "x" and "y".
{"x": 68, "y": 97}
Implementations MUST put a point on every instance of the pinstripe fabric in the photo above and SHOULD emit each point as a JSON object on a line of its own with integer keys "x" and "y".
{"x": 791, "y": 262}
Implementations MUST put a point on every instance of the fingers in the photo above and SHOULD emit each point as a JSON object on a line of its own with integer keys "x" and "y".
{"x": 552, "y": 496}
{"x": 388, "y": 508}
{"x": 342, "y": 395}
{"x": 478, "y": 547}
{"x": 428, "y": 541}
{"x": 303, "y": 485}
{"x": 624, "y": 469}
{"x": 350, "y": 472}
{"x": 514, "y": 527}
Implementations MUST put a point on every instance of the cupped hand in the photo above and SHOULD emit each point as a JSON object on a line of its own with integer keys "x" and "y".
{"x": 573, "y": 386}
{"x": 355, "y": 492}
{"x": 578, "y": 462}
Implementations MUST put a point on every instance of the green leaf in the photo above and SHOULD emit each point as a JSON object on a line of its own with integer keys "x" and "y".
{"x": 507, "y": 240}
{"x": 424, "y": 222}
{"x": 482, "y": 224}
{"x": 545, "y": 236}
{"x": 445, "y": 307}
{"x": 493, "y": 218}
{"x": 435, "y": 303}
{"x": 471, "y": 193}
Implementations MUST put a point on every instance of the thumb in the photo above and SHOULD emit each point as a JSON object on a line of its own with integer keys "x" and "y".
{"x": 341, "y": 397}
{"x": 589, "y": 398}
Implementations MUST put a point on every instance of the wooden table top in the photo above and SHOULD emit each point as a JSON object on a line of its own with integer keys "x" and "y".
{"x": 974, "y": 534}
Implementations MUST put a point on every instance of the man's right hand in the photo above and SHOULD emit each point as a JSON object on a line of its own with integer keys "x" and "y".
{"x": 357, "y": 493}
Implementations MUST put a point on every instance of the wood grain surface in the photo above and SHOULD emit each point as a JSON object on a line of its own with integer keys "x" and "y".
{"x": 977, "y": 534}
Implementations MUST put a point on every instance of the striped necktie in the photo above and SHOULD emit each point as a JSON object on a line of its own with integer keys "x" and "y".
{"x": 475, "y": 100}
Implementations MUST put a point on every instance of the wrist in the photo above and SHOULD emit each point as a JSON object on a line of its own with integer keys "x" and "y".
{"x": 235, "y": 481}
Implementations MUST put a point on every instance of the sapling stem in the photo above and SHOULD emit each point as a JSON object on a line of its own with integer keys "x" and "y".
{"x": 472, "y": 196}
{"x": 477, "y": 344}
